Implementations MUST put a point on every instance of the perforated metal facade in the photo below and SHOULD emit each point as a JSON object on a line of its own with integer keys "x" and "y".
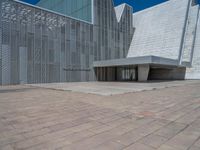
{"x": 40, "y": 46}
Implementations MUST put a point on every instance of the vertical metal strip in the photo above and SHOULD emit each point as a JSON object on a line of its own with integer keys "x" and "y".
{"x": 0, "y": 54}
{"x": 194, "y": 38}
{"x": 92, "y": 10}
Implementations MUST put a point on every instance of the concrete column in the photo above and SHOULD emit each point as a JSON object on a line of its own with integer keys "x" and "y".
{"x": 143, "y": 72}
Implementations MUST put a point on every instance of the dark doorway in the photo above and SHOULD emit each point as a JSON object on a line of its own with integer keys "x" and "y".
{"x": 128, "y": 73}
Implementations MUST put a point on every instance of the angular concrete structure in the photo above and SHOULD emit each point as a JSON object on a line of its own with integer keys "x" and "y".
{"x": 169, "y": 30}
{"x": 90, "y": 40}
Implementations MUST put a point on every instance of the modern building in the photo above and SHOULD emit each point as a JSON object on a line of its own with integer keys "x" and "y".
{"x": 91, "y": 40}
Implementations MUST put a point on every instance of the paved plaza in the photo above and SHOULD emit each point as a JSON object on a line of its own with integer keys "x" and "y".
{"x": 163, "y": 117}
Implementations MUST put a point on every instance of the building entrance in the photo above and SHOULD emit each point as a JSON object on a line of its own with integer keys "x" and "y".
{"x": 116, "y": 73}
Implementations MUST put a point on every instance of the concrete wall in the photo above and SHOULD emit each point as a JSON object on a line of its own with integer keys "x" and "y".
{"x": 169, "y": 30}
{"x": 194, "y": 71}
{"x": 190, "y": 34}
{"x": 159, "y": 30}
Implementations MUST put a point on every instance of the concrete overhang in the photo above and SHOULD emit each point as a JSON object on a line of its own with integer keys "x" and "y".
{"x": 153, "y": 61}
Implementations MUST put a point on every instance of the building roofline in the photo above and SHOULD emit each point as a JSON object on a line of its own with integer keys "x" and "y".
{"x": 121, "y": 13}
{"x": 152, "y": 7}
{"x": 120, "y": 5}
{"x": 151, "y": 60}
{"x": 124, "y": 4}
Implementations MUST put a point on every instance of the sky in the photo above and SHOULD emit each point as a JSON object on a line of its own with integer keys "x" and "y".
{"x": 136, "y": 4}
{"x": 139, "y": 4}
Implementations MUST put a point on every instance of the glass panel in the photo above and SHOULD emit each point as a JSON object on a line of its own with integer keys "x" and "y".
{"x": 81, "y": 9}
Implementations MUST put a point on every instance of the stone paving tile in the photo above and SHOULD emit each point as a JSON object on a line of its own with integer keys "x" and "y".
{"x": 100, "y": 128}
{"x": 185, "y": 139}
{"x": 138, "y": 133}
{"x": 11, "y": 139}
{"x": 40, "y": 119}
{"x": 166, "y": 147}
{"x": 98, "y": 139}
{"x": 194, "y": 148}
{"x": 197, "y": 143}
{"x": 190, "y": 117}
{"x": 7, "y": 147}
{"x": 109, "y": 146}
{"x": 153, "y": 140}
{"x": 139, "y": 146}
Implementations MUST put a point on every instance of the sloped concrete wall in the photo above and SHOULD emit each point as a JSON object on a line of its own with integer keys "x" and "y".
{"x": 159, "y": 30}
{"x": 194, "y": 71}
{"x": 190, "y": 33}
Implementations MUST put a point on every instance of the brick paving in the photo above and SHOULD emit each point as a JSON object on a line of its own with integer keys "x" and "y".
{"x": 38, "y": 119}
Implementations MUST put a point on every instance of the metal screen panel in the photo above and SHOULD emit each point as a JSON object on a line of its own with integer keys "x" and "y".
{"x": 6, "y": 64}
{"x": 55, "y": 48}
{"x": 0, "y": 55}
{"x": 0, "y": 46}
{"x": 23, "y": 65}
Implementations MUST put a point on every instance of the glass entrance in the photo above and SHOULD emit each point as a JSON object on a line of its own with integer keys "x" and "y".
{"x": 126, "y": 74}
{"x": 116, "y": 73}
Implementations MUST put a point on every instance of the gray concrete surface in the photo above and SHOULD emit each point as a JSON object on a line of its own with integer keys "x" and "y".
{"x": 113, "y": 88}
{"x": 135, "y": 61}
{"x": 143, "y": 72}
